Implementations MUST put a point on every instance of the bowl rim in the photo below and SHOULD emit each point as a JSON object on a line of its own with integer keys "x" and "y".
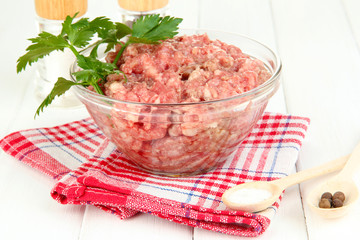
{"x": 253, "y": 92}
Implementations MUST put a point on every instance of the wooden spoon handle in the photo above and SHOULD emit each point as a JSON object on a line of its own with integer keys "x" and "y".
{"x": 352, "y": 164}
{"x": 307, "y": 174}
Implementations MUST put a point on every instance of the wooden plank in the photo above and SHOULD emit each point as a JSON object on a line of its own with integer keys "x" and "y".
{"x": 25, "y": 192}
{"x": 26, "y": 209}
{"x": 352, "y": 12}
{"x": 254, "y": 19}
{"x": 287, "y": 224}
{"x": 322, "y": 81}
{"x": 249, "y": 18}
{"x": 101, "y": 225}
{"x": 13, "y": 86}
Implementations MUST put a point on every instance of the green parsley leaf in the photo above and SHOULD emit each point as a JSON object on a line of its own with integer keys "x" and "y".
{"x": 145, "y": 24}
{"x": 110, "y": 37}
{"x": 94, "y": 71}
{"x": 77, "y": 37}
{"x": 102, "y": 26}
{"x": 60, "y": 87}
{"x": 42, "y": 45}
{"x": 150, "y": 29}
{"x": 122, "y": 30}
{"x": 79, "y": 33}
{"x": 154, "y": 28}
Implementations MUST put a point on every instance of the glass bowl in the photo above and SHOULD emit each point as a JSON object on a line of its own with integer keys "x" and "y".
{"x": 186, "y": 138}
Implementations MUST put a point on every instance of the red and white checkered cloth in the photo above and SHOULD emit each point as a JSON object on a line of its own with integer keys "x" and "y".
{"x": 89, "y": 170}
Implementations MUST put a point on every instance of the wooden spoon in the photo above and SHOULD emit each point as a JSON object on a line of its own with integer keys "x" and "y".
{"x": 343, "y": 182}
{"x": 276, "y": 187}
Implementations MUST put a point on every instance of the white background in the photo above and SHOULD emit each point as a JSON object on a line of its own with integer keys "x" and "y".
{"x": 318, "y": 42}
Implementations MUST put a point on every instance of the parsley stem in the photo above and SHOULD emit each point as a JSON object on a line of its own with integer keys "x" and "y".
{"x": 90, "y": 46}
{"x": 121, "y": 52}
{"x": 73, "y": 49}
{"x": 98, "y": 89}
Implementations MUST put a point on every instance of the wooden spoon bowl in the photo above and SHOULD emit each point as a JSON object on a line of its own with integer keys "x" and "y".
{"x": 276, "y": 187}
{"x": 272, "y": 187}
{"x": 348, "y": 187}
{"x": 341, "y": 182}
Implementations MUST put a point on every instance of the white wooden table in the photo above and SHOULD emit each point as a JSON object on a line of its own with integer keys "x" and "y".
{"x": 319, "y": 44}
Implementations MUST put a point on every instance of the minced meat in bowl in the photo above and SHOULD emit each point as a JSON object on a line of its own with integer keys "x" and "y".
{"x": 187, "y": 103}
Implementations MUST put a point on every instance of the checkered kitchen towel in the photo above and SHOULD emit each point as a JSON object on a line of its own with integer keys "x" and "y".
{"x": 89, "y": 170}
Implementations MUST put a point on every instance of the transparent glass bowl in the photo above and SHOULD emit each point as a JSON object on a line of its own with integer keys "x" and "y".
{"x": 148, "y": 134}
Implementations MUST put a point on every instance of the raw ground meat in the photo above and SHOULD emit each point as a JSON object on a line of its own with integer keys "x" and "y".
{"x": 184, "y": 69}
{"x": 181, "y": 139}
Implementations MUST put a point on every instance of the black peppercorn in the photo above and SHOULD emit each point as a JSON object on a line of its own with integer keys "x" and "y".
{"x": 328, "y": 200}
{"x": 339, "y": 195}
{"x": 337, "y": 203}
{"x": 326, "y": 195}
{"x": 324, "y": 203}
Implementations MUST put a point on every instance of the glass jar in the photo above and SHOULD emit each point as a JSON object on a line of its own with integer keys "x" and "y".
{"x": 131, "y": 10}
{"x": 50, "y": 16}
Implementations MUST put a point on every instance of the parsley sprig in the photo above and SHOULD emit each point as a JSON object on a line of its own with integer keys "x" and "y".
{"x": 76, "y": 36}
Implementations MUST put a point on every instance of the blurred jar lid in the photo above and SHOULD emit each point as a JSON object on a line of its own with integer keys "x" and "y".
{"x": 59, "y": 9}
{"x": 142, "y": 5}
